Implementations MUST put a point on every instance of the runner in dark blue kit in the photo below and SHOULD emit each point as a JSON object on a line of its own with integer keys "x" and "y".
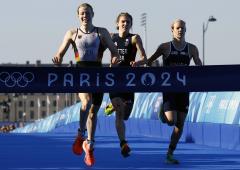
{"x": 127, "y": 44}
{"x": 177, "y": 52}
{"x": 88, "y": 42}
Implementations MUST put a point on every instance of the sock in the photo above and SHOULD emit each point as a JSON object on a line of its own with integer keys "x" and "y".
{"x": 91, "y": 143}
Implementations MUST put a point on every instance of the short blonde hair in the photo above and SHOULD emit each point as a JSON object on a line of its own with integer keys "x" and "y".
{"x": 178, "y": 20}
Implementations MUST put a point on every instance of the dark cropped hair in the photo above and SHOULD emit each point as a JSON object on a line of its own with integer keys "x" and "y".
{"x": 85, "y": 5}
{"x": 126, "y": 15}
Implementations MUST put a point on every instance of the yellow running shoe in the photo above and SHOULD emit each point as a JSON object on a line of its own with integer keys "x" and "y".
{"x": 109, "y": 109}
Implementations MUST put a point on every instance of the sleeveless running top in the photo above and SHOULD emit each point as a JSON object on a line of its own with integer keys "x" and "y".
{"x": 177, "y": 57}
{"x": 125, "y": 47}
{"x": 87, "y": 46}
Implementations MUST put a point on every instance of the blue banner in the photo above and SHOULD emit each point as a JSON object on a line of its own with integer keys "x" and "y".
{"x": 140, "y": 79}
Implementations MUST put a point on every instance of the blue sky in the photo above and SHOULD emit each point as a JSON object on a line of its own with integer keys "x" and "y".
{"x": 33, "y": 30}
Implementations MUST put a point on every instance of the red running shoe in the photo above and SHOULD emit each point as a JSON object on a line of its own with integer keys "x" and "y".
{"x": 89, "y": 157}
{"x": 77, "y": 145}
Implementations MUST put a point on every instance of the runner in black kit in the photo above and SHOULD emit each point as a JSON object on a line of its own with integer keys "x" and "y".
{"x": 87, "y": 42}
{"x": 127, "y": 44}
{"x": 177, "y": 52}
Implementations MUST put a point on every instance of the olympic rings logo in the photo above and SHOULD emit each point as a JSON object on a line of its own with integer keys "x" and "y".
{"x": 16, "y": 78}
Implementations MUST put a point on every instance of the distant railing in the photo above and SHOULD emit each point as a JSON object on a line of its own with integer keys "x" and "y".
{"x": 213, "y": 107}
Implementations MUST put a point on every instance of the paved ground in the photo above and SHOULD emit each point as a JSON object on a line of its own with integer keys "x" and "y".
{"x": 53, "y": 152}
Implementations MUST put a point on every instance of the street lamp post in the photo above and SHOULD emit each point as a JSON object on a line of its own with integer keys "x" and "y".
{"x": 210, "y": 19}
{"x": 144, "y": 24}
{"x": 24, "y": 108}
{"x": 8, "y": 108}
{"x": 15, "y": 98}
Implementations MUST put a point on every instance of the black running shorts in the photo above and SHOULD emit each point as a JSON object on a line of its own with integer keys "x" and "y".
{"x": 128, "y": 99}
{"x": 176, "y": 101}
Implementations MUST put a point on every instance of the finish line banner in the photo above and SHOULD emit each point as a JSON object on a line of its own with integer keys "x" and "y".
{"x": 138, "y": 79}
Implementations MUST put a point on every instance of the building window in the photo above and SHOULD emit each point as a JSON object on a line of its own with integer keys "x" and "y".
{"x": 20, "y": 114}
{"x": 44, "y": 114}
{"x": 20, "y": 103}
{"x": 31, "y": 114}
{"x": 43, "y": 103}
{"x": 54, "y": 103}
{"x": 31, "y": 103}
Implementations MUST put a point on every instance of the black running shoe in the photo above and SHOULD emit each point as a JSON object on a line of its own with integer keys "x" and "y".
{"x": 171, "y": 160}
{"x": 125, "y": 149}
